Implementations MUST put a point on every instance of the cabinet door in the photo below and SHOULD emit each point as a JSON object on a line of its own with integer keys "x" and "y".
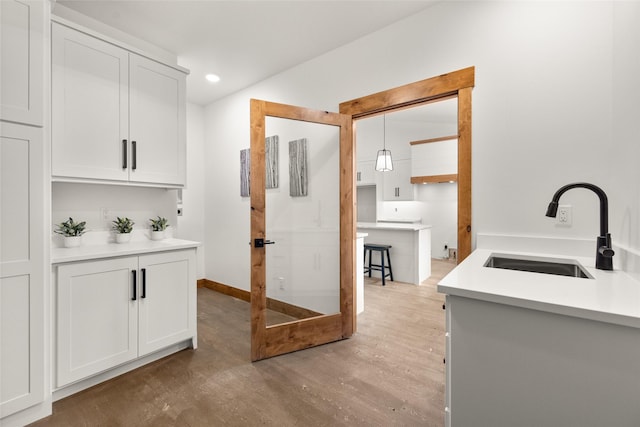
{"x": 90, "y": 116}
{"x": 167, "y": 299}
{"x": 21, "y": 60}
{"x": 435, "y": 158}
{"x": 366, "y": 173}
{"x": 158, "y": 122}
{"x": 97, "y": 317}
{"x": 21, "y": 268}
{"x": 397, "y": 183}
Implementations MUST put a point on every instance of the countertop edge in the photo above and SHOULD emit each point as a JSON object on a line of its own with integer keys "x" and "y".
{"x": 113, "y": 250}
{"x": 611, "y": 297}
{"x": 563, "y": 310}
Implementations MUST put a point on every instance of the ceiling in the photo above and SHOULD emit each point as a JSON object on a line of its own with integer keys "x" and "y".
{"x": 244, "y": 42}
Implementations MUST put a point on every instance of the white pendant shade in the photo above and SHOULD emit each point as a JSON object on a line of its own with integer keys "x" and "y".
{"x": 383, "y": 161}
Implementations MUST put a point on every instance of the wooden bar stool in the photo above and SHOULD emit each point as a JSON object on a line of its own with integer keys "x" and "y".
{"x": 370, "y": 248}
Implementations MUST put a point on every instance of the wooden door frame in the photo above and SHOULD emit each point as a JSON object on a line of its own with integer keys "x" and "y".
{"x": 455, "y": 84}
{"x": 269, "y": 341}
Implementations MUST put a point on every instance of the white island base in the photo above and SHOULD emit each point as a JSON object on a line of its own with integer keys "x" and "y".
{"x": 410, "y": 252}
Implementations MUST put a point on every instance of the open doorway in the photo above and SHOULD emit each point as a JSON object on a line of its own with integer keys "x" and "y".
{"x": 457, "y": 84}
{"x": 423, "y": 144}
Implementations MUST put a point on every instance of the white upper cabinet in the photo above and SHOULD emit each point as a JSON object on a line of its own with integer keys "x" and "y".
{"x": 366, "y": 173}
{"x": 158, "y": 122}
{"x": 117, "y": 116}
{"x": 397, "y": 184}
{"x": 21, "y": 61}
{"x": 90, "y": 84}
{"x": 435, "y": 158}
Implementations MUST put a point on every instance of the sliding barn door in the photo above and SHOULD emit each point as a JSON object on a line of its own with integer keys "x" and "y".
{"x": 301, "y": 184}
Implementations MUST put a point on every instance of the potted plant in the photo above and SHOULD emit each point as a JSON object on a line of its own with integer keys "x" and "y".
{"x": 71, "y": 231}
{"x": 123, "y": 228}
{"x": 158, "y": 227}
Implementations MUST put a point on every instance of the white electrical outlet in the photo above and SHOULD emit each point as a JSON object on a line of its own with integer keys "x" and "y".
{"x": 565, "y": 216}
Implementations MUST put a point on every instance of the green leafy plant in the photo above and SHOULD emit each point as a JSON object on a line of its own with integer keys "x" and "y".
{"x": 123, "y": 225}
{"x": 70, "y": 228}
{"x": 159, "y": 224}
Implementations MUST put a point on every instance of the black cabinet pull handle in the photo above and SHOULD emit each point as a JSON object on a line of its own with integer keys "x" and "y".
{"x": 144, "y": 283}
{"x": 134, "y": 156}
{"x": 124, "y": 154}
{"x": 135, "y": 285}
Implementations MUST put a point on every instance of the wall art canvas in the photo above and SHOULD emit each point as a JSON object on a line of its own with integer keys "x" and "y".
{"x": 245, "y": 168}
{"x": 298, "y": 179}
{"x": 271, "y": 160}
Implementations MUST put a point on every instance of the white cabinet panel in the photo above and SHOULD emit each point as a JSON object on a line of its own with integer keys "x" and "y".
{"x": 15, "y": 187}
{"x": 112, "y": 311}
{"x": 14, "y": 323}
{"x": 21, "y": 268}
{"x": 397, "y": 183}
{"x": 167, "y": 304}
{"x": 90, "y": 83}
{"x": 97, "y": 317}
{"x": 435, "y": 158}
{"x": 21, "y": 60}
{"x": 366, "y": 173}
{"x": 158, "y": 122}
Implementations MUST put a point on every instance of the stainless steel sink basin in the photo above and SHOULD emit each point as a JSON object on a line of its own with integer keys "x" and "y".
{"x": 557, "y": 266}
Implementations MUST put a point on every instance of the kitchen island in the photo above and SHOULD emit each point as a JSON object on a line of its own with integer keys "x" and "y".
{"x": 532, "y": 349}
{"x": 410, "y": 252}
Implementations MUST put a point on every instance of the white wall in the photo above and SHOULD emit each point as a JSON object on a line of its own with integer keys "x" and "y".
{"x": 88, "y": 202}
{"x": 555, "y": 102}
{"x": 191, "y": 224}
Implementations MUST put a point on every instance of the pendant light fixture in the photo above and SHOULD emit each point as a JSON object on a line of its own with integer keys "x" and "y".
{"x": 383, "y": 161}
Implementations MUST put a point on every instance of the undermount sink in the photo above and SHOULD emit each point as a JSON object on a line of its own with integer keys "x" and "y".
{"x": 556, "y": 266}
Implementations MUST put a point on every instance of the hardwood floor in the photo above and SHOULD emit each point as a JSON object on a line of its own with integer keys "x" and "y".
{"x": 389, "y": 373}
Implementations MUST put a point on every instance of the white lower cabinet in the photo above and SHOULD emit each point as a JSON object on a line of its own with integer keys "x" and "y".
{"x": 112, "y": 311}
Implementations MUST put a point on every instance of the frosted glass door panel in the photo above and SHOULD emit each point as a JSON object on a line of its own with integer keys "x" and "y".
{"x": 303, "y": 219}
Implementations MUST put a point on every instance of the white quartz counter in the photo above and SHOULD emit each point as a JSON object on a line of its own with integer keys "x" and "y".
{"x": 392, "y": 226}
{"x": 109, "y": 250}
{"x": 611, "y": 296}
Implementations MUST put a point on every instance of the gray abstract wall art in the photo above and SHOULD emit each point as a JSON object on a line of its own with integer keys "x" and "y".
{"x": 271, "y": 161}
{"x": 298, "y": 179}
{"x": 245, "y": 168}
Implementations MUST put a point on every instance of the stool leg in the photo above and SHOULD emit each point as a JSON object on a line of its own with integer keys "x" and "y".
{"x": 382, "y": 266}
{"x": 390, "y": 270}
{"x": 370, "y": 255}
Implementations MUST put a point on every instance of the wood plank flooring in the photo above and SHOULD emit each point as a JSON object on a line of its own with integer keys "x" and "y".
{"x": 390, "y": 373}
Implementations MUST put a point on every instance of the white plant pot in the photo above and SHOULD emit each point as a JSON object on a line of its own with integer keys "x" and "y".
{"x": 157, "y": 235}
{"x": 123, "y": 237}
{"x": 72, "y": 241}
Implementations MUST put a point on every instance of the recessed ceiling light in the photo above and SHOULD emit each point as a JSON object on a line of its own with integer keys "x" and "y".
{"x": 213, "y": 78}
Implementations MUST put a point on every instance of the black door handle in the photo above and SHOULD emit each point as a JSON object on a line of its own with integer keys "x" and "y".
{"x": 124, "y": 154}
{"x": 144, "y": 282}
{"x": 135, "y": 285}
{"x": 134, "y": 156}
{"x": 259, "y": 243}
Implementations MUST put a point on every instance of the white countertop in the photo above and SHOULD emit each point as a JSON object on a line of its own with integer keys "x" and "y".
{"x": 611, "y": 296}
{"x": 109, "y": 250}
{"x": 392, "y": 226}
